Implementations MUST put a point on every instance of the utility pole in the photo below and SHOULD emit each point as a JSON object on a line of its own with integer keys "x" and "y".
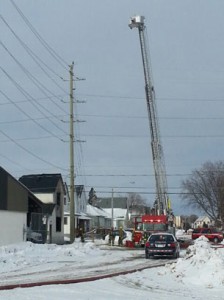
{"x": 72, "y": 175}
{"x": 112, "y": 209}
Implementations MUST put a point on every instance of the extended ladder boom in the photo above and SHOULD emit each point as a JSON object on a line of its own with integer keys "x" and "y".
{"x": 157, "y": 152}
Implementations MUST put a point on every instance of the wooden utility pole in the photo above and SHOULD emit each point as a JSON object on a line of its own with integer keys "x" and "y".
{"x": 72, "y": 172}
{"x": 112, "y": 210}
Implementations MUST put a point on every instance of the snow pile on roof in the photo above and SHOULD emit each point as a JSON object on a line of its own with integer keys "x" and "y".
{"x": 94, "y": 211}
{"x": 118, "y": 213}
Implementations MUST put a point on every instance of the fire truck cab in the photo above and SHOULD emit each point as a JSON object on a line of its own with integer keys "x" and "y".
{"x": 147, "y": 224}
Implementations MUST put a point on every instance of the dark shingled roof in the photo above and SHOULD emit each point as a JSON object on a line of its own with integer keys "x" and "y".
{"x": 41, "y": 183}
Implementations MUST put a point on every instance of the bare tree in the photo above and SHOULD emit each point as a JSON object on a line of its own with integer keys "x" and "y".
{"x": 135, "y": 199}
{"x": 187, "y": 221}
{"x": 205, "y": 190}
{"x": 137, "y": 204}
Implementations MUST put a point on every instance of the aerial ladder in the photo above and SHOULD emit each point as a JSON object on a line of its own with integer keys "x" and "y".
{"x": 162, "y": 203}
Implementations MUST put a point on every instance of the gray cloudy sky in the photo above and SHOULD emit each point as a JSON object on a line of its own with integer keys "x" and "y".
{"x": 187, "y": 58}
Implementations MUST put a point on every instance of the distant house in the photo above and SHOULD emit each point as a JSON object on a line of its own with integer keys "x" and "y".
{"x": 49, "y": 188}
{"x": 118, "y": 202}
{"x": 116, "y": 208}
{"x": 99, "y": 218}
{"x": 203, "y": 221}
{"x": 17, "y": 204}
{"x": 81, "y": 218}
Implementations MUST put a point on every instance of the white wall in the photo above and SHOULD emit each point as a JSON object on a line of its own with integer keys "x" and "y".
{"x": 12, "y": 227}
{"x": 45, "y": 198}
{"x": 67, "y": 226}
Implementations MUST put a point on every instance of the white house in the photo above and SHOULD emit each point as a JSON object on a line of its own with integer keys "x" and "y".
{"x": 120, "y": 217}
{"x": 202, "y": 221}
{"x": 49, "y": 188}
{"x": 81, "y": 218}
{"x": 99, "y": 217}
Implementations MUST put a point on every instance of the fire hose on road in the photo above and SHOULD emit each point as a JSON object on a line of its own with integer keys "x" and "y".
{"x": 86, "y": 278}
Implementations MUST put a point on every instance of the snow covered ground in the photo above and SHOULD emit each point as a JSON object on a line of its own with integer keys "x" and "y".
{"x": 198, "y": 274}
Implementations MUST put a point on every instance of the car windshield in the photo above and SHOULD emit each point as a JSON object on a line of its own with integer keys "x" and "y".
{"x": 161, "y": 238}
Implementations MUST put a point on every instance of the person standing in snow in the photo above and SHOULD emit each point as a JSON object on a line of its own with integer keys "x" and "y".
{"x": 121, "y": 236}
{"x": 81, "y": 234}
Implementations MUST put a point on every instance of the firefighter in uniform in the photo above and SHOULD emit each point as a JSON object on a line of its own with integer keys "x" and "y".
{"x": 111, "y": 237}
{"x": 145, "y": 236}
{"x": 81, "y": 234}
{"x": 121, "y": 235}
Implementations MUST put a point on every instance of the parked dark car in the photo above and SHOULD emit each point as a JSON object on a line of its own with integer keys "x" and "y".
{"x": 162, "y": 244}
{"x": 34, "y": 237}
{"x": 213, "y": 234}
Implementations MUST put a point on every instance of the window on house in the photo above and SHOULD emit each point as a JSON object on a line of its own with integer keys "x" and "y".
{"x": 58, "y": 200}
{"x": 58, "y": 224}
{"x": 65, "y": 220}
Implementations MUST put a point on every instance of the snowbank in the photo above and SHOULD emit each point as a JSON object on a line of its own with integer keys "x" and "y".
{"x": 203, "y": 265}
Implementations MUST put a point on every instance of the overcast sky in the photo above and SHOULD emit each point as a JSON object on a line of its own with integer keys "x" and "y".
{"x": 187, "y": 59}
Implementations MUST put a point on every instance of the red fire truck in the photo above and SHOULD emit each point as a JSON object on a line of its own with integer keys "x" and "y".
{"x": 147, "y": 224}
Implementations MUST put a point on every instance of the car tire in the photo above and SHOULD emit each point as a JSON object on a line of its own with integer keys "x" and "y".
{"x": 176, "y": 255}
{"x": 216, "y": 240}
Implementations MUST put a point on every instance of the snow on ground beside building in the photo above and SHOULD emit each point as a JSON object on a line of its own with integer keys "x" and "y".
{"x": 198, "y": 274}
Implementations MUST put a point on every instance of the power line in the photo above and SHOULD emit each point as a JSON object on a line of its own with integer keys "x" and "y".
{"x": 145, "y": 117}
{"x": 31, "y": 138}
{"x": 27, "y": 115}
{"x": 34, "y": 80}
{"x": 131, "y": 175}
{"x": 35, "y": 57}
{"x": 147, "y": 136}
{"x": 28, "y": 96}
{"x": 119, "y": 97}
{"x": 30, "y": 152}
{"x": 35, "y": 99}
{"x": 30, "y": 119}
{"x": 51, "y": 51}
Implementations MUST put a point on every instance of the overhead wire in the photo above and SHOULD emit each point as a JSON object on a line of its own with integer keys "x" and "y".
{"x": 32, "y": 100}
{"x": 29, "y": 119}
{"x": 159, "y": 98}
{"x": 34, "y": 80}
{"x": 30, "y": 152}
{"x": 145, "y": 117}
{"x": 35, "y": 57}
{"x": 36, "y": 99}
{"x": 27, "y": 115}
{"x": 40, "y": 86}
{"x": 147, "y": 136}
{"x": 13, "y": 161}
{"x": 49, "y": 49}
